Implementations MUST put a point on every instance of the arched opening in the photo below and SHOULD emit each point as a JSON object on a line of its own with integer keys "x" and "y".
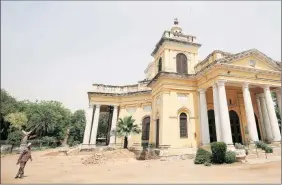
{"x": 146, "y": 128}
{"x": 235, "y": 127}
{"x": 183, "y": 125}
{"x": 258, "y": 128}
{"x": 181, "y": 63}
{"x": 212, "y": 129}
{"x": 160, "y": 65}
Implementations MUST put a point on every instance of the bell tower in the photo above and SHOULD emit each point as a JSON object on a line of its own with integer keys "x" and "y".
{"x": 176, "y": 52}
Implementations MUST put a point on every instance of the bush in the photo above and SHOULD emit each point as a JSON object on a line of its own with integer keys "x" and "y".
{"x": 15, "y": 137}
{"x": 239, "y": 146}
{"x": 207, "y": 163}
{"x": 268, "y": 150}
{"x": 202, "y": 156}
{"x": 230, "y": 157}
{"x": 218, "y": 152}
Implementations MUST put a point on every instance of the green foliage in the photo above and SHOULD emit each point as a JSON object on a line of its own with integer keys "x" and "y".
{"x": 78, "y": 122}
{"x": 230, "y": 157}
{"x": 241, "y": 147}
{"x": 218, "y": 152}
{"x": 47, "y": 139}
{"x": 17, "y": 120}
{"x": 126, "y": 127}
{"x": 263, "y": 146}
{"x": 207, "y": 163}
{"x": 103, "y": 124}
{"x": 202, "y": 156}
{"x": 15, "y": 137}
{"x": 48, "y": 118}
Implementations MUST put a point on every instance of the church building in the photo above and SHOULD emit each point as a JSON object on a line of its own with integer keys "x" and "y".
{"x": 186, "y": 103}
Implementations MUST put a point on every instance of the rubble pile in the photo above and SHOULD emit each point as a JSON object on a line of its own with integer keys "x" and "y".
{"x": 97, "y": 158}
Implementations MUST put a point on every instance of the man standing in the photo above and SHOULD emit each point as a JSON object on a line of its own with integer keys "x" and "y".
{"x": 24, "y": 157}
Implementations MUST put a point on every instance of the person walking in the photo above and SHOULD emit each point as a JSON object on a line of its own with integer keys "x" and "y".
{"x": 24, "y": 157}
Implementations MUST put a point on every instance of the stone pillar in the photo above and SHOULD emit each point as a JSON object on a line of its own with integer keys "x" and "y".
{"x": 113, "y": 126}
{"x": 224, "y": 114}
{"x": 278, "y": 96}
{"x": 264, "y": 137}
{"x": 204, "y": 118}
{"x": 216, "y": 112}
{"x": 95, "y": 125}
{"x": 87, "y": 130}
{"x": 265, "y": 117}
{"x": 272, "y": 115}
{"x": 253, "y": 133}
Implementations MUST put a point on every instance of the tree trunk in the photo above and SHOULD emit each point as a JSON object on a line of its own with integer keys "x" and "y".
{"x": 125, "y": 142}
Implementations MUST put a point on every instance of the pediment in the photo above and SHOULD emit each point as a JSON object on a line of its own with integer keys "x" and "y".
{"x": 253, "y": 59}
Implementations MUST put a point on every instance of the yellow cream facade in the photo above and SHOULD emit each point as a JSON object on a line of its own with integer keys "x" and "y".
{"x": 186, "y": 103}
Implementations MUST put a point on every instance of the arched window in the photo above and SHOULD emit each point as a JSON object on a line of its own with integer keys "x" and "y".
{"x": 146, "y": 128}
{"x": 181, "y": 63}
{"x": 160, "y": 65}
{"x": 183, "y": 125}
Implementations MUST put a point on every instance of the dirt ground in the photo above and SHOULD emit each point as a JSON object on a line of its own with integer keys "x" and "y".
{"x": 48, "y": 167}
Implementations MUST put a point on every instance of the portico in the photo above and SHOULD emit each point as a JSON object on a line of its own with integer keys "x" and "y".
{"x": 256, "y": 113}
{"x": 92, "y": 123}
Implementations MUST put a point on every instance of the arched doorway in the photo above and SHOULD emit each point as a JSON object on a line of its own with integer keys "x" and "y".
{"x": 212, "y": 128}
{"x": 258, "y": 128}
{"x": 235, "y": 127}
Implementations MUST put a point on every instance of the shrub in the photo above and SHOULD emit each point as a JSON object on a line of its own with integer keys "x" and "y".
{"x": 239, "y": 146}
{"x": 15, "y": 137}
{"x": 207, "y": 163}
{"x": 230, "y": 157}
{"x": 218, "y": 152}
{"x": 268, "y": 150}
{"x": 202, "y": 156}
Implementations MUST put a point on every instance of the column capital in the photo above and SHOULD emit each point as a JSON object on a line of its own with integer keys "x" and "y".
{"x": 265, "y": 87}
{"x": 202, "y": 90}
{"x": 115, "y": 106}
{"x": 214, "y": 85}
{"x": 246, "y": 84}
{"x": 97, "y": 106}
{"x": 221, "y": 82}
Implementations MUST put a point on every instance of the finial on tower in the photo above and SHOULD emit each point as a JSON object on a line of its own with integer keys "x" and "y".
{"x": 175, "y": 21}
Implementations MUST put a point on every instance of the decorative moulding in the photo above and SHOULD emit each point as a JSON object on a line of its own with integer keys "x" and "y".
{"x": 131, "y": 110}
{"x": 147, "y": 108}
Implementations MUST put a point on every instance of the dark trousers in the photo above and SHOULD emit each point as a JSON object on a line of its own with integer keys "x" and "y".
{"x": 21, "y": 169}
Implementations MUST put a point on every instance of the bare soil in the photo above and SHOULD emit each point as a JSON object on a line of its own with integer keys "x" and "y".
{"x": 121, "y": 167}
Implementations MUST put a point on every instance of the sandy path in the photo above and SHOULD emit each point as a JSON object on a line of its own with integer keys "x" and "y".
{"x": 69, "y": 169}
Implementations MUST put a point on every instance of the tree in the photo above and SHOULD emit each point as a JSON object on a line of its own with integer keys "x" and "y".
{"x": 17, "y": 120}
{"x": 125, "y": 128}
{"x": 77, "y": 126}
{"x": 48, "y": 118}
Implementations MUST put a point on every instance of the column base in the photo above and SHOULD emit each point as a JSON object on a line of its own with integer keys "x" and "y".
{"x": 276, "y": 143}
{"x": 230, "y": 147}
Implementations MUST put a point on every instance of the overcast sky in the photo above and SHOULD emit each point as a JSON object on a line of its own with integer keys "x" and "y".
{"x": 56, "y": 50}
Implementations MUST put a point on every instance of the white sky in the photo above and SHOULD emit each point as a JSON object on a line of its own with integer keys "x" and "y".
{"x": 56, "y": 50}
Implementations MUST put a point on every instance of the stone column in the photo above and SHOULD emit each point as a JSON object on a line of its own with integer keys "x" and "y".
{"x": 272, "y": 115}
{"x": 216, "y": 112}
{"x": 261, "y": 118}
{"x": 265, "y": 116}
{"x": 95, "y": 125}
{"x": 224, "y": 114}
{"x": 278, "y": 96}
{"x": 113, "y": 126}
{"x": 253, "y": 133}
{"x": 89, "y": 114}
{"x": 204, "y": 118}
